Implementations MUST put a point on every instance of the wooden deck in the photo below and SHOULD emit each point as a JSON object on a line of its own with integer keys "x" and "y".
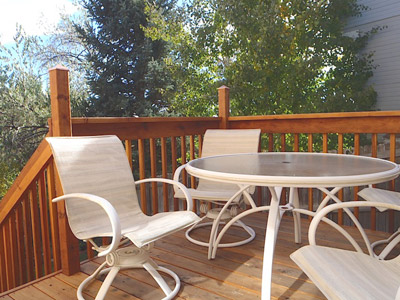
{"x": 234, "y": 274}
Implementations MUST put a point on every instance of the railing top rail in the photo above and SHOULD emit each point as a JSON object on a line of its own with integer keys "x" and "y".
{"x": 141, "y": 119}
{"x": 143, "y": 128}
{"x": 319, "y": 115}
{"x": 348, "y": 122}
{"x": 25, "y": 178}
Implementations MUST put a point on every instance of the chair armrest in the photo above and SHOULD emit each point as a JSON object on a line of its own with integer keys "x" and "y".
{"x": 177, "y": 175}
{"x": 175, "y": 184}
{"x": 110, "y": 211}
{"x": 346, "y": 205}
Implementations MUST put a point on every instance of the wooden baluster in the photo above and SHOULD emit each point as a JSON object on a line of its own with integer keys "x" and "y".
{"x": 340, "y": 194}
{"x": 51, "y": 189}
{"x": 374, "y": 149}
{"x": 340, "y": 143}
{"x": 174, "y": 166}
{"x": 7, "y": 254}
{"x": 153, "y": 168}
{"x": 183, "y": 158}
{"x": 37, "y": 251}
{"x": 270, "y": 142}
{"x": 20, "y": 244}
{"x": 310, "y": 143}
{"x": 44, "y": 224}
{"x": 142, "y": 175}
{"x": 164, "y": 171}
{"x": 356, "y": 188}
{"x": 28, "y": 238}
{"x": 3, "y": 267}
{"x": 296, "y": 143}
{"x": 392, "y": 182}
{"x": 325, "y": 143}
{"x": 283, "y": 142}
{"x": 12, "y": 243}
{"x": 128, "y": 150}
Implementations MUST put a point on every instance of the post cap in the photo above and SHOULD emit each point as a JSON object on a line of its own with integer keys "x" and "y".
{"x": 59, "y": 67}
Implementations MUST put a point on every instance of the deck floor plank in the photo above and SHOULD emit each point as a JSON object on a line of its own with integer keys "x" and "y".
{"x": 234, "y": 274}
{"x": 57, "y": 289}
{"x": 30, "y": 292}
{"x": 92, "y": 289}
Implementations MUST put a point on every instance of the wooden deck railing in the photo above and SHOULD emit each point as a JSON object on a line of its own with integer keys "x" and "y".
{"x": 34, "y": 233}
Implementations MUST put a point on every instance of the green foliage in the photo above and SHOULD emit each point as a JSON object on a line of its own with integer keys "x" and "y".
{"x": 194, "y": 62}
{"x": 24, "y": 109}
{"x": 127, "y": 74}
{"x": 277, "y": 57}
{"x": 24, "y": 94}
{"x": 61, "y": 45}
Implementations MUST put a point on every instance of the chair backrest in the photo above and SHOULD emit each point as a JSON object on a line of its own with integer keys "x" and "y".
{"x": 228, "y": 141}
{"x": 95, "y": 165}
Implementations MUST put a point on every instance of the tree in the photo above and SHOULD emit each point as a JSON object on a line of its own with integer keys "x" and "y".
{"x": 194, "y": 61}
{"x": 61, "y": 45}
{"x": 276, "y": 56}
{"x": 127, "y": 75}
{"x": 24, "y": 94}
{"x": 24, "y": 109}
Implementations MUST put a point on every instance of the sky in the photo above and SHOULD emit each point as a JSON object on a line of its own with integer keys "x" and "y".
{"x": 33, "y": 15}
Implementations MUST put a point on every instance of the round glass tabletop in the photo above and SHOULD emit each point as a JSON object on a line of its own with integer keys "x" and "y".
{"x": 294, "y": 169}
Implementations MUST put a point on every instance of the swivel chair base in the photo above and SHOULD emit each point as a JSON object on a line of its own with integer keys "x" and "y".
{"x": 128, "y": 258}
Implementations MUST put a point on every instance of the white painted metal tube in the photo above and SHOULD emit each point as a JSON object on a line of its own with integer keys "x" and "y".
{"x": 110, "y": 211}
{"x": 174, "y": 183}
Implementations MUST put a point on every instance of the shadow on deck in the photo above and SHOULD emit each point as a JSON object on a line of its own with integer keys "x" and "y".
{"x": 234, "y": 274}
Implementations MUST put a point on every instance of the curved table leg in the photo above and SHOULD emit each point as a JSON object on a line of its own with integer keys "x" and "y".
{"x": 294, "y": 201}
{"x": 274, "y": 219}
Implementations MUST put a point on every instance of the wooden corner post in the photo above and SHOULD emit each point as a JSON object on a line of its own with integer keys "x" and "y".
{"x": 60, "y": 102}
{"x": 61, "y": 126}
{"x": 223, "y": 106}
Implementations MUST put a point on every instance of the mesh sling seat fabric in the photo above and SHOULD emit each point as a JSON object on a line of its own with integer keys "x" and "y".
{"x": 349, "y": 275}
{"x": 219, "y": 142}
{"x": 101, "y": 201}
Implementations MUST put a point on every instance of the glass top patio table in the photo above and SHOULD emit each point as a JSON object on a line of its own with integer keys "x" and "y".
{"x": 290, "y": 169}
{"x": 294, "y": 169}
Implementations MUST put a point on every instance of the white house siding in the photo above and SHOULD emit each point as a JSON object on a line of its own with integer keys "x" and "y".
{"x": 386, "y": 47}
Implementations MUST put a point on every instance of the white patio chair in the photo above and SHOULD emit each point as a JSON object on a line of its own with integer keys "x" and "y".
{"x": 384, "y": 196}
{"x": 101, "y": 201}
{"x": 218, "y": 142}
{"x": 349, "y": 275}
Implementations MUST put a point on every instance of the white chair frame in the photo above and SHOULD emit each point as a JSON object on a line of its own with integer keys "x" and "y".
{"x": 362, "y": 284}
{"x": 221, "y": 215}
{"x": 118, "y": 254}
